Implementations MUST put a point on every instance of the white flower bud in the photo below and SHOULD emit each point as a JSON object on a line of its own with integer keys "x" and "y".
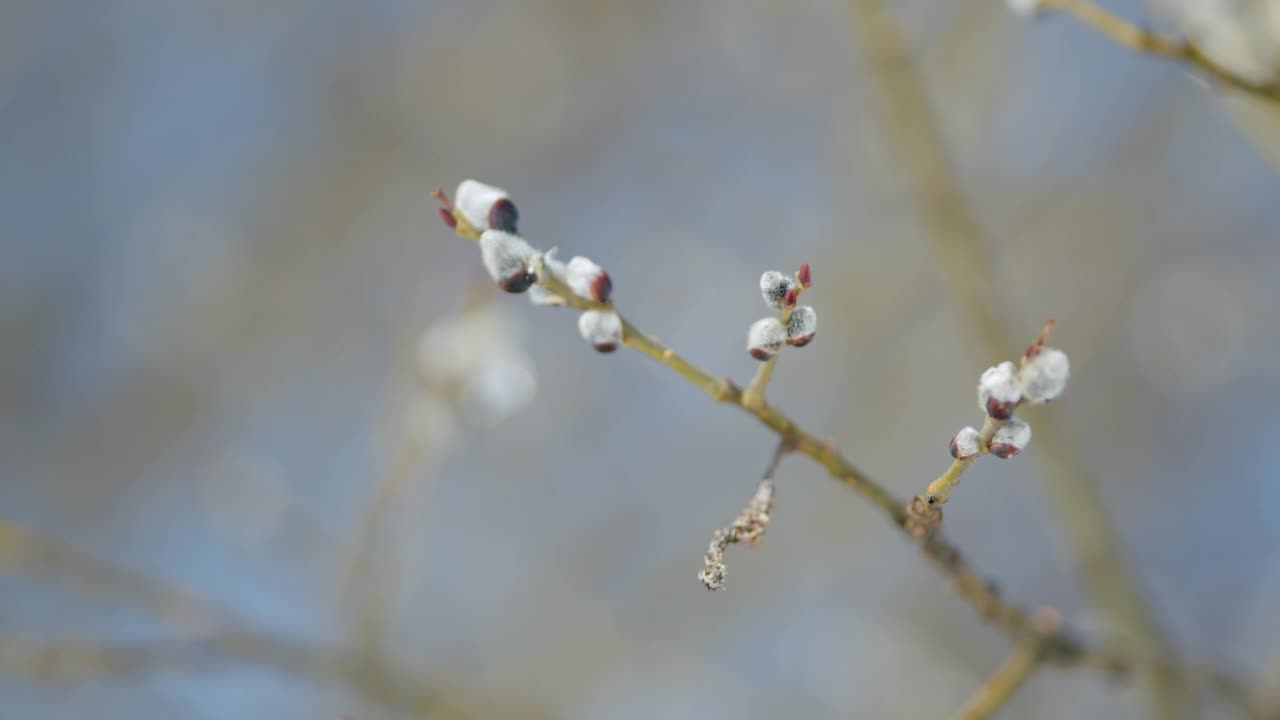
{"x": 998, "y": 391}
{"x": 774, "y": 286}
{"x": 1024, "y": 8}
{"x": 965, "y": 444}
{"x": 588, "y": 280}
{"x": 1044, "y": 375}
{"x": 507, "y": 258}
{"x": 485, "y": 206}
{"x": 802, "y": 326}
{"x": 1010, "y": 439}
{"x": 601, "y": 328}
{"x": 765, "y": 338}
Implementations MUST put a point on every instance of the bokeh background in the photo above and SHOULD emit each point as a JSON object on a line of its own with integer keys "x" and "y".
{"x": 240, "y": 355}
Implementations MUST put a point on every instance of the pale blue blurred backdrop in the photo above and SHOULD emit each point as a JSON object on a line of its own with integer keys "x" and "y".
{"x": 218, "y": 253}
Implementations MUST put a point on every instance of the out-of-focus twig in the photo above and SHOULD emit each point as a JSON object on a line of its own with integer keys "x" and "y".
{"x": 1001, "y": 686}
{"x": 61, "y": 662}
{"x": 1140, "y": 39}
{"x": 211, "y": 634}
{"x": 909, "y": 123}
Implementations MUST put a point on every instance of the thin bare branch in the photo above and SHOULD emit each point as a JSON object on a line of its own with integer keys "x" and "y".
{"x": 1001, "y": 686}
{"x": 907, "y": 120}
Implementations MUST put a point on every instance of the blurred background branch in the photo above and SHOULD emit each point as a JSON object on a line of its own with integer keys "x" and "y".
{"x": 906, "y": 118}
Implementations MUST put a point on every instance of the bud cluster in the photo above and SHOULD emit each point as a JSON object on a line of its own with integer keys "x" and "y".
{"x": 1040, "y": 376}
{"x": 518, "y": 267}
{"x": 795, "y": 324}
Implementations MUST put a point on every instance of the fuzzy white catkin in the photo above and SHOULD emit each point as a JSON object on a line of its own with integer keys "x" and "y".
{"x": 774, "y": 286}
{"x": 802, "y": 326}
{"x": 1011, "y": 439}
{"x": 581, "y": 276}
{"x": 999, "y": 383}
{"x": 601, "y": 328}
{"x": 965, "y": 444}
{"x": 765, "y": 338}
{"x": 1044, "y": 377}
{"x": 504, "y": 254}
{"x": 475, "y": 199}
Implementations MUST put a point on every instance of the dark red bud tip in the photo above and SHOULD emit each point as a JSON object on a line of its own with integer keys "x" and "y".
{"x": 1004, "y": 451}
{"x": 789, "y": 300}
{"x": 955, "y": 451}
{"x": 800, "y": 341}
{"x": 760, "y": 354}
{"x": 503, "y": 216}
{"x": 806, "y": 278}
{"x": 602, "y": 288}
{"x": 448, "y": 219}
{"x": 1000, "y": 410}
{"x": 519, "y": 282}
{"x": 606, "y": 347}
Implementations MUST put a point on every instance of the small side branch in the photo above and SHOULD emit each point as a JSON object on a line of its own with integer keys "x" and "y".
{"x": 1001, "y": 687}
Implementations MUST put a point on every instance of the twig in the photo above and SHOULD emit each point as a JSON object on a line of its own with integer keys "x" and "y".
{"x": 1139, "y": 39}
{"x": 908, "y": 121}
{"x": 1000, "y": 687}
{"x": 1057, "y": 646}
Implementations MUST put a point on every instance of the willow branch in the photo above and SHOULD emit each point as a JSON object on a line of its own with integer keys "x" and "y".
{"x": 908, "y": 122}
{"x": 1129, "y": 35}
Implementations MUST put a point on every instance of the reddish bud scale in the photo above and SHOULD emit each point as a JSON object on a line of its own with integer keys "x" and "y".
{"x": 449, "y": 219}
{"x": 602, "y": 288}
{"x": 789, "y": 300}
{"x": 1000, "y": 410}
{"x": 519, "y": 282}
{"x": 1004, "y": 451}
{"x": 1032, "y": 350}
{"x": 955, "y": 451}
{"x": 761, "y": 354}
{"x": 605, "y": 347}
{"x": 805, "y": 276}
{"x": 801, "y": 341}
